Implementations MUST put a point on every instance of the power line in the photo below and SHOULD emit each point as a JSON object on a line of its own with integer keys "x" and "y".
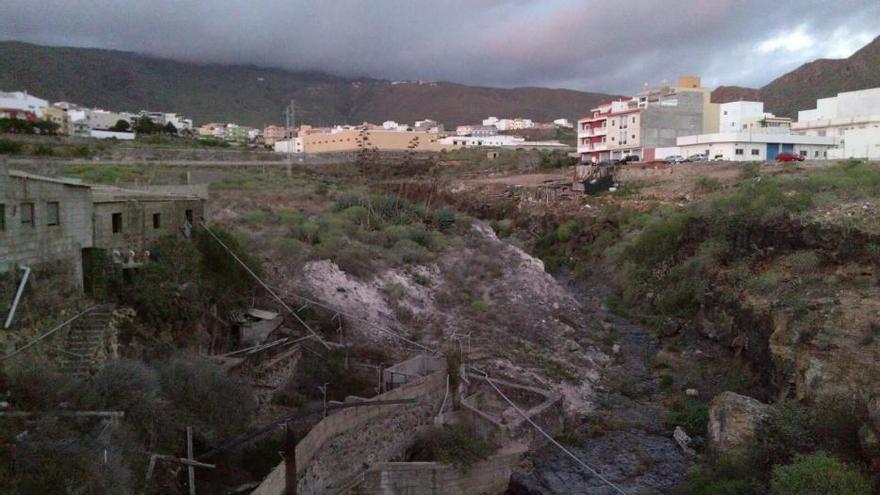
{"x": 546, "y": 435}
{"x": 47, "y": 334}
{"x": 265, "y": 286}
{"x": 357, "y": 318}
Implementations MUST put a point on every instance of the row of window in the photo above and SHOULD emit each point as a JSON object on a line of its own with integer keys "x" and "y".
{"x": 28, "y": 218}
{"x": 53, "y": 216}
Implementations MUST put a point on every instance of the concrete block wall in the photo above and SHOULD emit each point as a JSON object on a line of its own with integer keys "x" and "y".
{"x": 490, "y": 476}
{"x": 138, "y": 231}
{"x": 28, "y": 245}
{"x": 342, "y": 444}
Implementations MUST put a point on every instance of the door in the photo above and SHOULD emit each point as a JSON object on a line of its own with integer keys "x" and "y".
{"x": 788, "y": 148}
{"x": 772, "y": 151}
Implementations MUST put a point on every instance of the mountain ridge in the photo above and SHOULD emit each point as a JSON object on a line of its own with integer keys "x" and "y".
{"x": 821, "y": 78}
{"x": 252, "y": 95}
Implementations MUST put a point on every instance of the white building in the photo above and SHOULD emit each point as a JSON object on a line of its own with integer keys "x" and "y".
{"x": 755, "y": 146}
{"x": 20, "y": 101}
{"x": 851, "y": 118}
{"x": 103, "y": 134}
{"x": 563, "y": 123}
{"x": 498, "y": 141}
{"x": 739, "y": 115}
{"x": 294, "y": 145}
{"x": 389, "y": 125}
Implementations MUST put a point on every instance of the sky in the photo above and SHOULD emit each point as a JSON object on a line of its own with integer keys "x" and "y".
{"x": 611, "y": 46}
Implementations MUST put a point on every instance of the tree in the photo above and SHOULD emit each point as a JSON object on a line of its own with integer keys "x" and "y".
{"x": 170, "y": 129}
{"x": 143, "y": 125}
{"x": 46, "y": 127}
{"x": 121, "y": 125}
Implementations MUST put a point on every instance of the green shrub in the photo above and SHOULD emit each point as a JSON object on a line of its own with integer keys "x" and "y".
{"x": 567, "y": 231}
{"x": 10, "y": 147}
{"x": 818, "y": 474}
{"x": 726, "y": 476}
{"x": 750, "y": 170}
{"x": 42, "y": 150}
{"x": 691, "y": 414}
{"x": 445, "y": 218}
{"x": 666, "y": 381}
{"x": 459, "y": 444}
{"x": 220, "y": 403}
{"x": 706, "y": 184}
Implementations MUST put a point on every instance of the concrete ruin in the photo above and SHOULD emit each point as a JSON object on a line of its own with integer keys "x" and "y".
{"x": 55, "y": 219}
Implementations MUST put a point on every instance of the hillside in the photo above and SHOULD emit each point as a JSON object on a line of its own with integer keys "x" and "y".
{"x": 799, "y": 89}
{"x": 257, "y": 96}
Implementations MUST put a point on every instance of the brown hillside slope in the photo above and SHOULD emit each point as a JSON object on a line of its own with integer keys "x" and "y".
{"x": 799, "y": 89}
{"x": 256, "y": 96}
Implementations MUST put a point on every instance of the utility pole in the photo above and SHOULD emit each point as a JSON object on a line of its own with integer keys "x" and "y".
{"x": 290, "y": 113}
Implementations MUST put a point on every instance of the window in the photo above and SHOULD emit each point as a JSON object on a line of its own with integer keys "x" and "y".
{"x": 633, "y": 136}
{"x": 117, "y": 223}
{"x": 189, "y": 216}
{"x": 756, "y": 152}
{"x": 157, "y": 220}
{"x": 804, "y": 153}
{"x": 27, "y": 214}
{"x": 816, "y": 153}
{"x": 633, "y": 120}
{"x": 52, "y": 217}
{"x": 739, "y": 151}
{"x": 2, "y": 217}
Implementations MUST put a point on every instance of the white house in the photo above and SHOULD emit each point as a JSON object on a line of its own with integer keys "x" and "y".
{"x": 20, "y": 101}
{"x": 389, "y": 125}
{"x": 851, "y": 118}
{"x": 294, "y": 145}
{"x": 501, "y": 141}
{"x": 755, "y": 146}
{"x": 563, "y": 123}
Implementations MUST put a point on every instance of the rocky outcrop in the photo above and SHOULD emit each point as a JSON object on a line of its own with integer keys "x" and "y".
{"x": 733, "y": 421}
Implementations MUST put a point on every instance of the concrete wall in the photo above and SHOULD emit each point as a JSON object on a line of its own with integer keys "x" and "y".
{"x": 860, "y": 143}
{"x": 662, "y": 124}
{"x": 489, "y": 476}
{"x": 339, "y": 447}
{"x": 138, "y": 231}
{"x": 39, "y": 243}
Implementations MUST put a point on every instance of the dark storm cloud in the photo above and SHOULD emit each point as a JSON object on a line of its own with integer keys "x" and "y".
{"x": 602, "y": 45}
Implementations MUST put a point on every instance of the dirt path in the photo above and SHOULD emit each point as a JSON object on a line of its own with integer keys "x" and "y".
{"x": 625, "y": 439}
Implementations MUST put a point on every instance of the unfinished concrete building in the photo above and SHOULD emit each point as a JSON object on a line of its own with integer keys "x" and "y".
{"x": 58, "y": 220}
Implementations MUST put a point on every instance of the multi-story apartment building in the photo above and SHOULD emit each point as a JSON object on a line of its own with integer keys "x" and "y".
{"x": 652, "y": 119}
{"x": 19, "y": 104}
{"x": 273, "y": 133}
{"x": 851, "y": 118}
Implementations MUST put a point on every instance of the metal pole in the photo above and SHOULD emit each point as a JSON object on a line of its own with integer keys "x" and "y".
{"x": 191, "y": 471}
{"x": 289, "y": 460}
{"x": 24, "y": 279}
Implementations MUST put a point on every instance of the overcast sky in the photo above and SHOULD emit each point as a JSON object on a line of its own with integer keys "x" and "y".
{"x": 601, "y": 45}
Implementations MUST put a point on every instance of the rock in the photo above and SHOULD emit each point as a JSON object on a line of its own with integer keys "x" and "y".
{"x": 691, "y": 392}
{"x": 869, "y": 442}
{"x": 683, "y": 441}
{"x": 615, "y": 348}
{"x": 733, "y": 420}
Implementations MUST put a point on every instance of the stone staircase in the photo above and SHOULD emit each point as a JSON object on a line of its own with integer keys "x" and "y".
{"x": 86, "y": 342}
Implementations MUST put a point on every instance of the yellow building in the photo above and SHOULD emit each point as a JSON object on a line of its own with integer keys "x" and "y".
{"x": 60, "y": 117}
{"x": 343, "y": 140}
{"x": 711, "y": 111}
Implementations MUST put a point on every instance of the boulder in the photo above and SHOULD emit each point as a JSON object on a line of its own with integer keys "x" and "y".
{"x": 733, "y": 421}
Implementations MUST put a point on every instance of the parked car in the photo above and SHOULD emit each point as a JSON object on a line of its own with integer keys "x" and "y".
{"x": 674, "y": 159}
{"x": 789, "y": 157}
{"x": 630, "y": 158}
{"x": 717, "y": 158}
{"x": 698, "y": 157}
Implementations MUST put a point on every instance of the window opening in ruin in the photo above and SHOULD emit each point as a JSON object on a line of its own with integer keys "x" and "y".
{"x": 117, "y": 223}
{"x": 52, "y": 213}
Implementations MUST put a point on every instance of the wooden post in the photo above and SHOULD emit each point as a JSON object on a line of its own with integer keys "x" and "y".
{"x": 289, "y": 460}
{"x": 191, "y": 471}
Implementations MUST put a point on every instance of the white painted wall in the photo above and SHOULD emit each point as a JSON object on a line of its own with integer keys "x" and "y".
{"x": 20, "y": 100}
{"x": 859, "y": 143}
{"x": 735, "y": 115}
{"x": 100, "y": 134}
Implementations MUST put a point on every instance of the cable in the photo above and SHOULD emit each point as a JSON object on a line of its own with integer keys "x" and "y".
{"x": 265, "y": 286}
{"x": 356, "y": 318}
{"x": 547, "y": 436}
{"x": 50, "y": 332}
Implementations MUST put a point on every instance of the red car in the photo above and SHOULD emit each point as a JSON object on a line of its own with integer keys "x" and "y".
{"x": 789, "y": 157}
